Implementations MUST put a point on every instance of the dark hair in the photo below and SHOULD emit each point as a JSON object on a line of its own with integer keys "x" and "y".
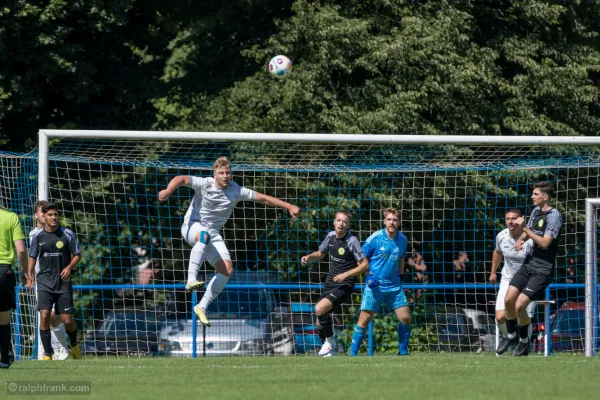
{"x": 49, "y": 206}
{"x": 345, "y": 212}
{"x": 517, "y": 211}
{"x": 39, "y": 204}
{"x": 545, "y": 187}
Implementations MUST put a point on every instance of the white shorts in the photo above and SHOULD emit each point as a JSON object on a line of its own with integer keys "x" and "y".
{"x": 504, "y": 283}
{"x": 216, "y": 249}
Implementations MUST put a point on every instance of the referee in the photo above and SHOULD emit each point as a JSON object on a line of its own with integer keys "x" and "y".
{"x": 11, "y": 239}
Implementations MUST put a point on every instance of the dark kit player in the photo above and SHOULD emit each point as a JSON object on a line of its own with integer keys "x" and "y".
{"x": 346, "y": 262}
{"x": 57, "y": 251}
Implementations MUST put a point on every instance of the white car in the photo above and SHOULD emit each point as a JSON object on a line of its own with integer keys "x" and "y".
{"x": 243, "y": 323}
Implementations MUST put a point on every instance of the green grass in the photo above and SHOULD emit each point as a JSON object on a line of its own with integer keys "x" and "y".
{"x": 367, "y": 378}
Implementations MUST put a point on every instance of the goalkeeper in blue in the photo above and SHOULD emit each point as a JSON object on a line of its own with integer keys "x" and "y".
{"x": 385, "y": 250}
{"x": 212, "y": 205}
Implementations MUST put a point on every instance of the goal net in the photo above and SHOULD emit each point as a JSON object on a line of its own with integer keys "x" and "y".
{"x": 452, "y": 191}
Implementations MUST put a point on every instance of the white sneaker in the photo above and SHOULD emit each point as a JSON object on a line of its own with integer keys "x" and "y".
{"x": 326, "y": 350}
{"x": 61, "y": 355}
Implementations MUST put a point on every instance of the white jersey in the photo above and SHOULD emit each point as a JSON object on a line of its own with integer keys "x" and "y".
{"x": 211, "y": 206}
{"x": 513, "y": 259}
{"x": 34, "y": 232}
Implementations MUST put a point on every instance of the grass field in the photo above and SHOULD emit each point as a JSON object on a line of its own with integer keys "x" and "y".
{"x": 366, "y": 378}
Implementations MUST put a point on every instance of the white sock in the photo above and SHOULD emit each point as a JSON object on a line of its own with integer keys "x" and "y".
{"x": 330, "y": 341}
{"x": 502, "y": 328}
{"x": 215, "y": 286}
{"x": 196, "y": 260}
{"x": 530, "y": 330}
{"x": 512, "y": 335}
{"x": 60, "y": 334}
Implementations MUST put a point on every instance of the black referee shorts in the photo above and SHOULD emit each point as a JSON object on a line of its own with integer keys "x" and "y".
{"x": 61, "y": 302}
{"x": 336, "y": 294}
{"x": 532, "y": 282}
{"x": 8, "y": 282}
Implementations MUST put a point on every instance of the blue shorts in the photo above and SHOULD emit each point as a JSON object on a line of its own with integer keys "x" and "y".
{"x": 373, "y": 297}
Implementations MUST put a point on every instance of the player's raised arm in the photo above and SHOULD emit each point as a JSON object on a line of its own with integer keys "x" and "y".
{"x": 275, "y": 202}
{"x": 173, "y": 185}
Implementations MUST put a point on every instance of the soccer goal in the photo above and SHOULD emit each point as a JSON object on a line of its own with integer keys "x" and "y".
{"x": 452, "y": 191}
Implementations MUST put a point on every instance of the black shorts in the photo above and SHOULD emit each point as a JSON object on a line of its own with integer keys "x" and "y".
{"x": 8, "y": 282}
{"x": 336, "y": 294}
{"x": 62, "y": 301}
{"x": 532, "y": 282}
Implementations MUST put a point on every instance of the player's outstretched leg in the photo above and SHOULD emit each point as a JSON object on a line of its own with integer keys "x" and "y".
{"x": 224, "y": 269}
{"x": 197, "y": 256}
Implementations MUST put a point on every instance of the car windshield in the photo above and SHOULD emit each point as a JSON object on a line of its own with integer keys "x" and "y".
{"x": 451, "y": 324}
{"x": 241, "y": 303}
{"x": 569, "y": 321}
{"x": 128, "y": 321}
{"x": 484, "y": 323}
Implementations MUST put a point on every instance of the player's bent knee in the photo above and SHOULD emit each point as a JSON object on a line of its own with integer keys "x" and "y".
{"x": 323, "y": 307}
{"x": 203, "y": 237}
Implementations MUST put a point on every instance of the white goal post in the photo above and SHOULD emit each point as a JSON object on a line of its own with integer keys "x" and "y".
{"x": 493, "y": 149}
{"x": 591, "y": 275}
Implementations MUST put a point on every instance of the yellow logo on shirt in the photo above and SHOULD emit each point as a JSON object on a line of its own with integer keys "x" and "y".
{"x": 541, "y": 223}
{"x": 60, "y": 245}
{"x": 341, "y": 251}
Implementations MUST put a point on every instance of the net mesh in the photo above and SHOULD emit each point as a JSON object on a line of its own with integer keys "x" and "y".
{"x": 129, "y": 295}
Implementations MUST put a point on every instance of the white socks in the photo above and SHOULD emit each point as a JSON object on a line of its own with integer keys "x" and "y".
{"x": 61, "y": 335}
{"x": 502, "y": 328}
{"x": 215, "y": 286}
{"x": 196, "y": 260}
{"x": 330, "y": 341}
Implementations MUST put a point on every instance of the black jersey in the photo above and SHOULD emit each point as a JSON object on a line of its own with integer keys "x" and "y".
{"x": 53, "y": 251}
{"x": 544, "y": 223}
{"x": 344, "y": 254}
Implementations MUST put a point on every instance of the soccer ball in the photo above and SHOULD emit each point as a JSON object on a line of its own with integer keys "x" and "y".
{"x": 280, "y": 66}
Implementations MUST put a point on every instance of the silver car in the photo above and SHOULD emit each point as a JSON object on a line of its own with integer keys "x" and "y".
{"x": 243, "y": 322}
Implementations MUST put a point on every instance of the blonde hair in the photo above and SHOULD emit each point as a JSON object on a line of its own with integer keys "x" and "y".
{"x": 221, "y": 162}
{"x": 391, "y": 211}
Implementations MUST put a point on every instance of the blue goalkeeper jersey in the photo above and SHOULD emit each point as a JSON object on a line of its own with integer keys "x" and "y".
{"x": 384, "y": 254}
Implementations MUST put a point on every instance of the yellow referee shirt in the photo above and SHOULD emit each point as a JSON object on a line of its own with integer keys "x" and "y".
{"x": 10, "y": 230}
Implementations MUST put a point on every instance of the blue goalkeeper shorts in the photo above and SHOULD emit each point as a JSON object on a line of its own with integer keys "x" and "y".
{"x": 373, "y": 297}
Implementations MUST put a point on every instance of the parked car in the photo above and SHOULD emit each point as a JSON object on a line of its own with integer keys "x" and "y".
{"x": 132, "y": 332}
{"x": 464, "y": 330}
{"x": 567, "y": 329}
{"x": 243, "y": 322}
